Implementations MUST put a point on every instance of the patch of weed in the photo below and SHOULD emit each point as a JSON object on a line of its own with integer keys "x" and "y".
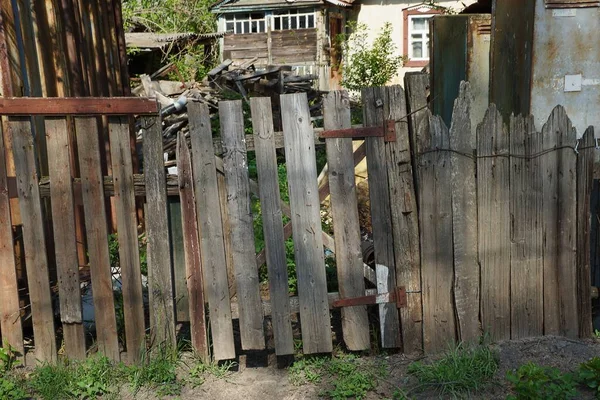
{"x": 93, "y": 378}
{"x": 12, "y": 389}
{"x": 199, "y": 372}
{"x": 461, "y": 371}
{"x": 589, "y": 375}
{"x": 52, "y": 382}
{"x": 8, "y": 358}
{"x": 157, "y": 373}
{"x": 532, "y": 382}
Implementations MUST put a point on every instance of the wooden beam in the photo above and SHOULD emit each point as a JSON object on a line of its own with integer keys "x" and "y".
{"x": 60, "y": 106}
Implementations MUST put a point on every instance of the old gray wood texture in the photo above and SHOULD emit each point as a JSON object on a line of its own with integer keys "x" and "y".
{"x": 182, "y": 307}
{"x": 464, "y": 219}
{"x": 585, "y": 181}
{"x": 65, "y": 240}
{"x": 160, "y": 277}
{"x": 417, "y": 92}
{"x": 559, "y": 226}
{"x": 270, "y": 203}
{"x": 344, "y": 210}
{"x": 34, "y": 239}
{"x": 129, "y": 258}
{"x": 88, "y": 149}
{"x": 306, "y": 219}
{"x": 381, "y": 215}
{"x": 526, "y": 233}
{"x": 212, "y": 248}
{"x": 437, "y": 256}
{"x": 191, "y": 248}
{"x": 10, "y": 313}
{"x": 405, "y": 222}
{"x": 243, "y": 257}
{"x": 493, "y": 203}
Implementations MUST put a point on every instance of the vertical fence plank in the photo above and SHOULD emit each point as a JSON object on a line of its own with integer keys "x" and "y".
{"x": 436, "y": 235}
{"x": 10, "y": 313}
{"x": 493, "y": 197}
{"x": 381, "y": 218}
{"x": 226, "y": 232}
{"x": 464, "y": 219}
{"x": 92, "y": 190}
{"x": 178, "y": 259}
{"x": 417, "y": 92}
{"x": 306, "y": 219}
{"x": 270, "y": 203}
{"x": 160, "y": 278}
{"x": 405, "y": 222}
{"x": 559, "y": 224}
{"x": 208, "y": 211}
{"x": 191, "y": 248}
{"x": 65, "y": 242}
{"x": 35, "y": 242}
{"x": 235, "y": 165}
{"x": 344, "y": 210}
{"x": 585, "y": 181}
{"x": 526, "y": 234}
{"x": 129, "y": 258}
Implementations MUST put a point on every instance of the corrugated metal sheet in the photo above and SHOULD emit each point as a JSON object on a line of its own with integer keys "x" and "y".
{"x": 149, "y": 40}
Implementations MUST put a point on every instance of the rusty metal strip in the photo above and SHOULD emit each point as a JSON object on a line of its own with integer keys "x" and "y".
{"x": 387, "y": 131}
{"x": 398, "y": 296}
{"x": 61, "y": 106}
{"x": 572, "y": 3}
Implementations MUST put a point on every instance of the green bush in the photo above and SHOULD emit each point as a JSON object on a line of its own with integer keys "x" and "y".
{"x": 589, "y": 375}
{"x": 11, "y": 390}
{"x": 532, "y": 382}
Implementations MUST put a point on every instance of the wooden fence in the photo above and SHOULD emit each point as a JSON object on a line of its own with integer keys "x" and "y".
{"x": 476, "y": 230}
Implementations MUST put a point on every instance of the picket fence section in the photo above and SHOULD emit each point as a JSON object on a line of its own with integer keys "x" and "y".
{"x": 476, "y": 229}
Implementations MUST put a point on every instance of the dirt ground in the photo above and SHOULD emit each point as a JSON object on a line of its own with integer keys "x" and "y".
{"x": 252, "y": 382}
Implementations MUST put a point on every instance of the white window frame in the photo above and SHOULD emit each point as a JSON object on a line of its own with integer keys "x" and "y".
{"x": 243, "y": 18}
{"x": 293, "y": 15}
{"x": 424, "y": 39}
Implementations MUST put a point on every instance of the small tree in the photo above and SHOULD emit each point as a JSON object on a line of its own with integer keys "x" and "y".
{"x": 368, "y": 65}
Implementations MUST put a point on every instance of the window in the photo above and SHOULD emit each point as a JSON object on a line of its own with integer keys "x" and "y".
{"x": 418, "y": 37}
{"x": 293, "y": 19}
{"x": 246, "y": 23}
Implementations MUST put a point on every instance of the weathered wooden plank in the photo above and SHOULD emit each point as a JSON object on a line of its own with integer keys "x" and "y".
{"x": 405, "y": 222}
{"x": 160, "y": 279}
{"x": 464, "y": 219}
{"x": 10, "y": 313}
{"x": 270, "y": 202}
{"x": 61, "y": 106}
{"x": 437, "y": 256}
{"x": 88, "y": 147}
{"x": 129, "y": 258}
{"x": 235, "y": 163}
{"x": 34, "y": 240}
{"x": 381, "y": 217}
{"x": 344, "y": 211}
{"x": 526, "y": 235}
{"x": 211, "y": 241}
{"x": 65, "y": 243}
{"x": 493, "y": 198}
{"x": 178, "y": 259}
{"x": 306, "y": 219}
{"x": 559, "y": 226}
{"x": 226, "y": 232}
{"x": 585, "y": 181}
{"x": 191, "y": 246}
{"x": 417, "y": 92}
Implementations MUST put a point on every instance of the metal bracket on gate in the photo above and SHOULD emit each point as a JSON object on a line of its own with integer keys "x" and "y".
{"x": 387, "y": 132}
{"x": 398, "y": 296}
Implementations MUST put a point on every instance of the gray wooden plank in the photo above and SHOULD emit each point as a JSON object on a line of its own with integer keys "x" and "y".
{"x": 526, "y": 234}
{"x": 129, "y": 258}
{"x": 212, "y": 248}
{"x": 235, "y": 164}
{"x": 464, "y": 219}
{"x": 306, "y": 219}
{"x": 435, "y": 208}
{"x": 405, "y": 222}
{"x": 381, "y": 217}
{"x": 10, "y": 313}
{"x": 191, "y": 246}
{"x": 34, "y": 240}
{"x": 559, "y": 226}
{"x": 344, "y": 211}
{"x": 270, "y": 203}
{"x": 585, "y": 181}
{"x": 493, "y": 203}
{"x": 226, "y": 231}
{"x": 65, "y": 240}
{"x": 88, "y": 148}
{"x": 417, "y": 92}
{"x": 178, "y": 259}
{"x": 160, "y": 278}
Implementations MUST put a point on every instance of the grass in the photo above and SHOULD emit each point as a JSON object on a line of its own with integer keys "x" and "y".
{"x": 460, "y": 372}
{"x": 200, "y": 371}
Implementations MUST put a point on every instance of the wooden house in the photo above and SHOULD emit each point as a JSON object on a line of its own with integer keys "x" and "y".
{"x": 298, "y": 33}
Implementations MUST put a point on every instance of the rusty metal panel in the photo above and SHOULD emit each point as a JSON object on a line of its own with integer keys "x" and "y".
{"x": 510, "y": 56}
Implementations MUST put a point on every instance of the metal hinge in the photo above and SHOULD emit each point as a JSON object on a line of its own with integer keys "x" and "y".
{"x": 398, "y": 296}
{"x": 387, "y": 131}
